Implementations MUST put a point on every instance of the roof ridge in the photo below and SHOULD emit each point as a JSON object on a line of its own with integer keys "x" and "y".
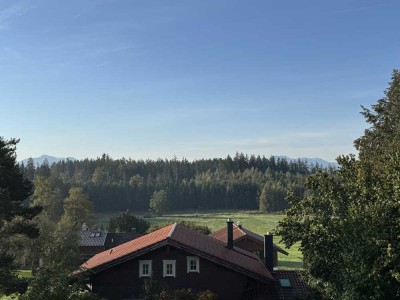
{"x": 235, "y": 248}
{"x": 241, "y": 229}
{"x": 172, "y": 230}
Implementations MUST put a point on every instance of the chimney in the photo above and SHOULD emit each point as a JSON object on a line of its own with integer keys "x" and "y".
{"x": 269, "y": 251}
{"x": 229, "y": 228}
{"x": 84, "y": 227}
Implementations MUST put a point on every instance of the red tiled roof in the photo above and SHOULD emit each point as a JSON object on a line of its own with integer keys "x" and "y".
{"x": 209, "y": 246}
{"x": 240, "y": 232}
{"x": 127, "y": 248}
{"x": 182, "y": 237}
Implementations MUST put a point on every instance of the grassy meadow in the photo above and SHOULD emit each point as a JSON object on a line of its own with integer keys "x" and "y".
{"x": 253, "y": 220}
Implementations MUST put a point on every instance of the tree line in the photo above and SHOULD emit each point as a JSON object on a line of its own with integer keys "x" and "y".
{"x": 241, "y": 182}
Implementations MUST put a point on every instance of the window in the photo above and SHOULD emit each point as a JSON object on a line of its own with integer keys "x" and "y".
{"x": 193, "y": 264}
{"x": 144, "y": 268}
{"x": 285, "y": 282}
{"x": 169, "y": 268}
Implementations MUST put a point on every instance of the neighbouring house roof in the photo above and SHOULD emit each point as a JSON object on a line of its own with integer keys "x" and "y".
{"x": 90, "y": 238}
{"x": 239, "y": 233}
{"x": 102, "y": 238}
{"x": 290, "y": 285}
{"x": 183, "y": 238}
{"x": 114, "y": 239}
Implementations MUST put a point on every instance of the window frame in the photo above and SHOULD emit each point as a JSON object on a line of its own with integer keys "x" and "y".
{"x": 189, "y": 259}
{"x": 141, "y": 264}
{"x": 167, "y": 262}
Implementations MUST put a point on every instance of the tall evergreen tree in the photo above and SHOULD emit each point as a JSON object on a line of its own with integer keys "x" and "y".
{"x": 14, "y": 216}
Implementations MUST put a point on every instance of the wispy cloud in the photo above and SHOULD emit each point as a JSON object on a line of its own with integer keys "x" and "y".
{"x": 11, "y": 12}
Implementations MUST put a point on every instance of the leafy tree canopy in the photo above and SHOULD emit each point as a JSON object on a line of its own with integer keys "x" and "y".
{"x": 126, "y": 222}
{"x": 159, "y": 202}
{"x": 349, "y": 227}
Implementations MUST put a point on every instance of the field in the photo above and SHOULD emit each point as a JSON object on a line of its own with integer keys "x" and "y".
{"x": 252, "y": 220}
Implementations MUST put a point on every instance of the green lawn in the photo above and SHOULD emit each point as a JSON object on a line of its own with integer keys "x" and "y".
{"x": 25, "y": 273}
{"x": 252, "y": 220}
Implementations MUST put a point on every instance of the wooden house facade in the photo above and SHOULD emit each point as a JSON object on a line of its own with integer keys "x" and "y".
{"x": 177, "y": 257}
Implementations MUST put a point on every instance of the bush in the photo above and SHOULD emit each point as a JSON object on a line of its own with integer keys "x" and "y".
{"x": 52, "y": 284}
{"x": 153, "y": 291}
{"x": 11, "y": 297}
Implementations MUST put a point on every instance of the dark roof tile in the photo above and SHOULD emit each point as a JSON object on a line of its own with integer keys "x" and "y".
{"x": 290, "y": 285}
{"x": 90, "y": 238}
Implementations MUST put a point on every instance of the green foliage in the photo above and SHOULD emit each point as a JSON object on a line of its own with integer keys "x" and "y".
{"x": 273, "y": 197}
{"x": 229, "y": 183}
{"x": 57, "y": 244}
{"x": 159, "y": 202}
{"x": 349, "y": 227}
{"x": 186, "y": 294}
{"x": 78, "y": 208}
{"x": 154, "y": 291}
{"x": 15, "y": 219}
{"x": 263, "y": 199}
{"x": 62, "y": 251}
{"x": 49, "y": 194}
{"x": 127, "y": 222}
{"x": 56, "y": 284}
{"x": 14, "y": 296}
{"x": 48, "y": 284}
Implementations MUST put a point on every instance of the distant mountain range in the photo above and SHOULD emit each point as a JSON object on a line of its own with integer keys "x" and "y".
{"x": 310, "y": 161}
{"x": 50, "y": 159}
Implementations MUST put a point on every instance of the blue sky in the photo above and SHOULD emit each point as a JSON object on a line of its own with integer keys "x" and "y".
{"x": 148, "y": 79}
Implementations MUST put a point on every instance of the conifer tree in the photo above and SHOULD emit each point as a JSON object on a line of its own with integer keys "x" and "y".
{"x": 14, "y": 216}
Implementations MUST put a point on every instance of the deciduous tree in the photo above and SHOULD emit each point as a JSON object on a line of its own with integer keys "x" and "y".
{"x": 126, "y": 222}
{"x": 349, "y": 227}
{"x": 159, "y": 202}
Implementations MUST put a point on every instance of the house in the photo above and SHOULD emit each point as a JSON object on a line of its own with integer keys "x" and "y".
{"x": 248, "y": 240}
{"x": 92, "y": 242}
{"x": 180, "y": 258}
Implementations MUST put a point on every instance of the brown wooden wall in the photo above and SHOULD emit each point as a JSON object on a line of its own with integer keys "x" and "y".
{"x": 122, "y": 281}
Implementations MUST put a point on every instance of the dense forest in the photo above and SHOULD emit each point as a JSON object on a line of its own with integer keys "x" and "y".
{"x": 241, "y": 182}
